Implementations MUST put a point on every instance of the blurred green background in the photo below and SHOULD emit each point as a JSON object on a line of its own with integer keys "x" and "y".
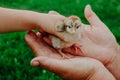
{"x": 15, "y": 55}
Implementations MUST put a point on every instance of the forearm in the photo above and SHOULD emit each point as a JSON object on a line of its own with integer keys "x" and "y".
{"x": 20, "y": 20}
{"x": 15, "y": 20}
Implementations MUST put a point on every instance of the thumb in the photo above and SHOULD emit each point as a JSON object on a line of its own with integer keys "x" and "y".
{"x": 92, "y": 17}
{"x": 52, "y": 64}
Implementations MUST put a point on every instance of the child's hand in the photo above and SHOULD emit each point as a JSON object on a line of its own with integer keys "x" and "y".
{"x": 47, "y": 22}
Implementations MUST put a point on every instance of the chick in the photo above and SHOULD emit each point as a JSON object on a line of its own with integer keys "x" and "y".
{"x": 70, "y": 29}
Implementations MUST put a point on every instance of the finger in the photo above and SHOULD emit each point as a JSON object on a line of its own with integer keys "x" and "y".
{"x": 40, "y": 48}
{"x": 92, "y": 17}
{"x": 52, "y": 64}
{"x": 53, "y": 12}
{"x": 32, "y": 33}
{"x": 47, "y": 40}
{"x": 44, "y": 37}
{"x": 74, "y": 50}
{"x": 32, "y": 41}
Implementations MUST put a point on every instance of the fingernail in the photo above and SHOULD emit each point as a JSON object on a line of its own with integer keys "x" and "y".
{"x": 89, "y": 8}
{"x": 35, "y": 63}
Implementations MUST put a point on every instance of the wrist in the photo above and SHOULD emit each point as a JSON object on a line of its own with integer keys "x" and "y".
{"x": 28, "y": 19}
{"x": 102, "y": 74}
{"x": 114, "y": 66}
{"x": 37, "y": 20}
{"x": 44, "y": 22}
{"x": 99, "y": 72}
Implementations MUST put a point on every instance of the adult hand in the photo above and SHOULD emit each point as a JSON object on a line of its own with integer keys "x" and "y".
{"x": 98, "y": 42}
{"x": 69, "y": 69}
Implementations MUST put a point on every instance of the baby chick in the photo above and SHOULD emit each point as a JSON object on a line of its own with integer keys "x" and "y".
{"x": 70, "y": 29}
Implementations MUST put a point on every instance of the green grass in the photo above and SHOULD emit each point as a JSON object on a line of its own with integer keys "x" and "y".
{"x": 15, "y": 55}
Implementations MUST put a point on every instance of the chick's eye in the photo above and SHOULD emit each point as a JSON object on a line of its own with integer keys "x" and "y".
{"x": 68, "y": 26}
{"x": 77, "y": 27}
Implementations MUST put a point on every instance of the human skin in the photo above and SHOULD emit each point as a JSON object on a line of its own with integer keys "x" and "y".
{"x": 74, "y": 68}
{"x": 20, "y": 20}
{"x": 12, "y": 20}
{"x": 97, "y": 42}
